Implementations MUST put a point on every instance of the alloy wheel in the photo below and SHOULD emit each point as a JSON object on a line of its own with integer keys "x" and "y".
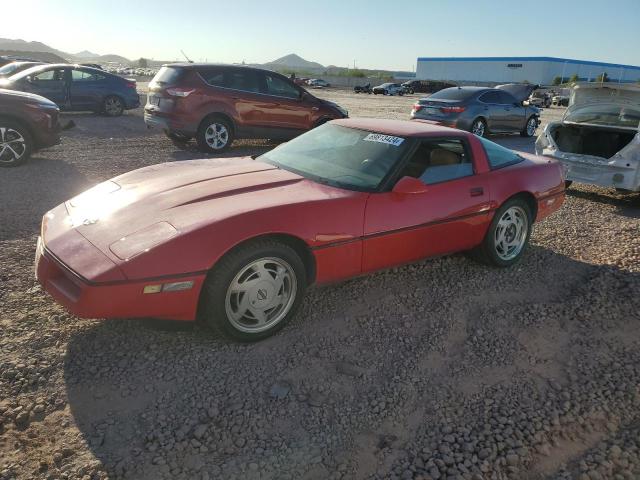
{"x": 217, "y": 136}
{"x": 532, "y": 124}
{"x": 261, "y": 295}
{"x": 12, "y": 145}
{"x": 113, "y": 106}
{"x": 478, "y": 128}
{"x": 511, "y": 232}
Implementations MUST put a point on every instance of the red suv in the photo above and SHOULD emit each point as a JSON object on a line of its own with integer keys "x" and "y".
{"x": 218, "y": 103}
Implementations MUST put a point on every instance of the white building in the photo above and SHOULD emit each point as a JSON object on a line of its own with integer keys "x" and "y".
{"x": 540, "y": 70}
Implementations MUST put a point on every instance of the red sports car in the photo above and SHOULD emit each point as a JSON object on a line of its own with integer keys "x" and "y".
{"x": 237, "y": 242}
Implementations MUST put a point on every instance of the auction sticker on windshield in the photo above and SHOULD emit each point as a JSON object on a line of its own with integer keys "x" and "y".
{"x": 388, "y": 139}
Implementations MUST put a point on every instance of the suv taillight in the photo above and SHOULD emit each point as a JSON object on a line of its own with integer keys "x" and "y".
{"x": 452, "y": 109}
{"x": 180, "y": 92}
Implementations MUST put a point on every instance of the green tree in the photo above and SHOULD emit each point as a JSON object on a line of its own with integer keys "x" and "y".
{"x": 603, "y": 77}
{"x": 143, "y": 63}
{"x": 574, "y": 78}
{"x": 557, "y": 80}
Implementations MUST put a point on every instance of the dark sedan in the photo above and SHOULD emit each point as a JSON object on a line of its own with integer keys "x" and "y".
{"x": 27, "y": 123}
{"x": 481, "y": 110}
{"x": 77, "y": 88}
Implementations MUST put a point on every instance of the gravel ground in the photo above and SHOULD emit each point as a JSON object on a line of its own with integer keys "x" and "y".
{"x": 445, "y": 369}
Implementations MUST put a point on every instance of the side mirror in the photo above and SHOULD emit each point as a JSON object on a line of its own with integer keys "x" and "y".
{"x": 409, "y": 186}
{"x": 29, "y": 79}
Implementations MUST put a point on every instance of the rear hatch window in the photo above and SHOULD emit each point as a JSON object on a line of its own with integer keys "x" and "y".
{"x": 166, "y": 76}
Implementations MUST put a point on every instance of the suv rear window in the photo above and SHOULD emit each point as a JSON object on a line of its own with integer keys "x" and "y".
{"x": 167, "y": 76}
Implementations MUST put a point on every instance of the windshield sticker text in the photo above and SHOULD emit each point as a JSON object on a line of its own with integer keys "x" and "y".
{"x": 388, "y": 139}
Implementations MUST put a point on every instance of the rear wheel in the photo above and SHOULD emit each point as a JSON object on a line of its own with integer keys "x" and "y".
{"x": 530, "y": 127}
{"x": 479, "y": 127}
{"x": 254, "y": 291}
{"x": 215, "y": 135}
{"x": 16, "y": 144}
{"x": 113, "y": 106}
{"x": 507, "y": 236}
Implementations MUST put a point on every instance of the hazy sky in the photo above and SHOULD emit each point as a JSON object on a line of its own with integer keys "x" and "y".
{"x": 376, "y": 34}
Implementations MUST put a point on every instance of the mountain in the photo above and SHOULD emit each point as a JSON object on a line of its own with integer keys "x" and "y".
{"x": 294, "y": 61}
{"x": 85, "y": 54}
{"x": 111, "y": 58}
{"x": 24, "y": 46}
{"x": 39, "y": 56}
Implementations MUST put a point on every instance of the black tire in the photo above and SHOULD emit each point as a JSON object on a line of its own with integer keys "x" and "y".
{"x": 567, "y": 184}
{"x": 177, "y": 138}
{"x": 112, "y": 106}
{"x": 218, "y": 282}
{"x": 209, "y": 143}
{"x": 487, "y": 252}
{"x": 528, "y": 130}
{"x": 479, "y": 126}
{"x": 20, "y": 141}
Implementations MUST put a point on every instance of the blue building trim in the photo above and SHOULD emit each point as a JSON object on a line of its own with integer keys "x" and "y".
{"x": 529, "y": 59}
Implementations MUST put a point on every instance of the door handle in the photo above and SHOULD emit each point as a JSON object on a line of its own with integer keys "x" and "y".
{"x": 476, "y": 191}
{"x": 314, "y": 109}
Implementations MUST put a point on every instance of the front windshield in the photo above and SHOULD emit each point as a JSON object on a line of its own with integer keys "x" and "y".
{"x": 608, "y": 115}
{"x": 340, "y": 156}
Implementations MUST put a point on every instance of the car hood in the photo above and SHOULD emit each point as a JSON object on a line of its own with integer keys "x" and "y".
{"x": 24, "y": 96}
{"x": 521, "y": 91}
{"x": 130, "y": 214}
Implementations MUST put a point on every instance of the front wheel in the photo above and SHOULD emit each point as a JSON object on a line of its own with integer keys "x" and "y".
{"x": 113, "y": 106}
{"x": 16, "y": 144}
{"x": 254, "y": 291}
{"x": 507, "y": 236}
{"x": 215, "y": 135}
{"x": 530, "y": 127}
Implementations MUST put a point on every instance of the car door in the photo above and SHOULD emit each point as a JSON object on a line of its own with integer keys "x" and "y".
{"x": 494, "y": 111}
{"x": 289, "y": 111}
{"x": 513, "y": 112}
{"x": 451, "y": 215}
{"x": 51, "y": 83}
{"x": 87, "y": 89}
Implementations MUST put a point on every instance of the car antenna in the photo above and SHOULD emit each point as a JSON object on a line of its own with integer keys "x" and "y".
{"x": 185, "y": 56}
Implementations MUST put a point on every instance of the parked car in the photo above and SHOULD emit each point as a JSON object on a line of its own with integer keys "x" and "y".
{"x": 540, "y": 99}
{"x": 4, "y": 59}
{"x": 218, "y": 103}
{"x": 300, "y": 81}
{"x": 561, "y": 99}
{"x": 27, "y": 123}
{"x": 318, "y": 82}
{"x": 597, "y": 139}
{"x": 16, "y": 67}
{"x": 480, "y": 110}
{"x": 363, "y": 89}
{"x": 236, "y": 242}
{"x": 77, "y": 88}
{"x": 412, "y": 86}
{"x": 389, "y": 89}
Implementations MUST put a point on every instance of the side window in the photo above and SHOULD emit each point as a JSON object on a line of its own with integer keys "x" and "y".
{"x": 438, "y": 161}
{"x": 49, "y": 75}
{"x": 84, "y": 76}
{"x": 499, "y": 156}
{"x": 281, "y": 88}
{"x": 246, "y": 81}
{"x": 506, "y": 98}
{"x": 490, "y": 97}
{"x": 213, "y": 76}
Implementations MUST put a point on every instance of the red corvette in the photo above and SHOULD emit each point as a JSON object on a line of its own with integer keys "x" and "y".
{"x": 237, "y": 241}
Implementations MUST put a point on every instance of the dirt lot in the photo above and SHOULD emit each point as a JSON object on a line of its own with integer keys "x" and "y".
{"x": 441, "y": 370}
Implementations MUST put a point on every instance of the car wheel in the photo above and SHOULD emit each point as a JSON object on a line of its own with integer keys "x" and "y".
{"x": 215, "y": 135}
{"x": 177, "y": 138}
{"x": 254, "y": 291}
{"x": 113, "y": 106}
{"x": 530, "y": 127}
{"x": 16, "y": 144}
{"x": 508, "y": 234}
{"x": 479, "y": 127}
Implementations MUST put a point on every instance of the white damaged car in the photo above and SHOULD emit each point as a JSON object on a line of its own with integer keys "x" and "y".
{"x": 598, "y": 140}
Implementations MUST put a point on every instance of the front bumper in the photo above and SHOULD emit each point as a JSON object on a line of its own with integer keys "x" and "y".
{"x": 115, "y": 299}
